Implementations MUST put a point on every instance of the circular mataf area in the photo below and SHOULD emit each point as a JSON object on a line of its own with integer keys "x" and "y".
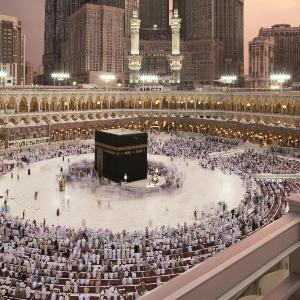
{"x": 108, "y": 206}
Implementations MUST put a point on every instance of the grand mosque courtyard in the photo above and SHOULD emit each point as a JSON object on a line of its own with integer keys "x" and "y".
{"x": 88, "y": 202}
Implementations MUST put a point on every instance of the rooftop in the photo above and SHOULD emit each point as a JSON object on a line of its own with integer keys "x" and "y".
{"x": 121, "y": 131}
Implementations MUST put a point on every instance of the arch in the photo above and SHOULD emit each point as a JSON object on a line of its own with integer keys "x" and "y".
{"x": 156, "y": 102}
{"x": 11, "y": 104}
{"x": 44, "y": 105}
{"x": 73, "y": 104}
{"x": 129, "y": 102}
{"x": 90, "y": 103}
{"x": 113, "y": 102}
{"x": 2, "y": 104}
{"x": 208, "y": 103}
{"x": 147, "y": 102}
{"x": 53, "y": 104}
{"x": 173, "y": 103}
{"x": 266, "y": 105}
{"x": 138, "y": 102}
{"x": 105, "y": 103}
{"x": 81, "y": 104}
{"x": 199, "y": 103}
{"x": 122, "y": 103}
{"x": 165, "y": 102}
{"x": 23, "y": 105}
{"x": 33, "y": 106}
{"x": 190, "y": 103}
{"x": 98, "y": 102}
{"x": 277, "y": 108}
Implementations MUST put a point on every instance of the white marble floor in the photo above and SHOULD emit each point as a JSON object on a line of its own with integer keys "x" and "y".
{"x": 109, "y": 207}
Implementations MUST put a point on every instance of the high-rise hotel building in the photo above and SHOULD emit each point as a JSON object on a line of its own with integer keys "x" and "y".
{"x": 94, "y": 44}
{"x": 286, "y": 48}
{"x": 57, "y": 14}
{"x": 217, "y": 20}
{"x": 12, "y": 50}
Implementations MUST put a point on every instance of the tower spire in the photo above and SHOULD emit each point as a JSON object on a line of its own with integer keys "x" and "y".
{"x": 175, "y": 59}
{"x": 135, "y": 60}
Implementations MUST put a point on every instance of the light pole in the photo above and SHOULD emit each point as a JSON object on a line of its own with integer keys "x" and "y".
{"x": 280, "y": 78}
{"x": 108, "y": 78}
{"x": 148, "y": 78}
{"x": 228, "y": 79}
{"x": 60, "y": 76}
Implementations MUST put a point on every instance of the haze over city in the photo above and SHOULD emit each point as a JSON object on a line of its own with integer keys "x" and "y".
{"x": 258, "y": 13}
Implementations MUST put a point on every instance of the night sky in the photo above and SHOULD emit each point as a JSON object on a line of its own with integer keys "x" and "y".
{"x": 258, "y": 13}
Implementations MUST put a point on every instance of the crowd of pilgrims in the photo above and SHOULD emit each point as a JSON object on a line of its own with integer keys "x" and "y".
{"x": 40, "y": 261}
{"x": 173, "y": 145}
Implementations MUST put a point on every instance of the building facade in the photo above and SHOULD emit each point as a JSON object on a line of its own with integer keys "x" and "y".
{"x": 222, "y": 20}
{"x": 229, "y": 29}
{"x": 286, "y": 48}
{"x": 203, "y": 62}
{"x": 12, "y": 50}
{"x": 154, "y": 14}
{"x": 29, "y": 74}
{"x": 95, "y": 44}
{"x": 269, "y": 118}
{"x": 209, "y": 22}
{"x": 130, "y": 6}
{"x": 57, "y": 13}
{"x": 261, "y": 61}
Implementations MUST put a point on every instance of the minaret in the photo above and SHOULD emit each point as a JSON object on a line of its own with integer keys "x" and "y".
{"x": 135, "y": 60}
{"x": 175, "y": 59}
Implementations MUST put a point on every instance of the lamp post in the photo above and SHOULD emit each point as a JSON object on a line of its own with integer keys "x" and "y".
{"x": 148, "y": 78}
{"x": 125, "y": 177}
{"x": 228, "y": 79}
{"x": 280, "y": 79}
{"x": 60, "y": 76}
{"x": 108, "y": 78}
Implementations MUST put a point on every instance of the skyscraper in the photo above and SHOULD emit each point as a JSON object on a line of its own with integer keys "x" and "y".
{"x": 261, "y": 61}
{"x": 217, "y": 19}
{"x": 286, "y": 48}
{"x": 12, "y": 49}
{"x": 94, "y": 44}
{"x": 57, "y": 13}
{"x": 228, "y": 27}
{"x": 154, "y": 14}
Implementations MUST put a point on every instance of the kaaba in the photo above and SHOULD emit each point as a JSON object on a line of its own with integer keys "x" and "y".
{"x": 119, "y": 152}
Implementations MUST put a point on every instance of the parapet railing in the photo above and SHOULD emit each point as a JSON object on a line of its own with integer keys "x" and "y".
{"x": 228, "y": 273}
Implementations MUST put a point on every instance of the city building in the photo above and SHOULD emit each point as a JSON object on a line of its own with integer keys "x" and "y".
{"x": 229, "y": 29}
{"x": 212, "y": 22}
{"x": 220, "y": 20}
{"x": 57, "y": 13}
{"x": 29, "y": 74}
{"x": 286, "y": 48}
{"x": 130, "y": 6}
{"x": 12, "y": 51}
{"x": 203, "y": 62}
{"x": 261, "y": 61}
{"x": 94, "y": 45}
{"x": 154, "y": 14}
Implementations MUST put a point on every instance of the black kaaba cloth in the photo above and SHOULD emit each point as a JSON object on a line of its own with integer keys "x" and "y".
{"x": 119, "y": 152}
